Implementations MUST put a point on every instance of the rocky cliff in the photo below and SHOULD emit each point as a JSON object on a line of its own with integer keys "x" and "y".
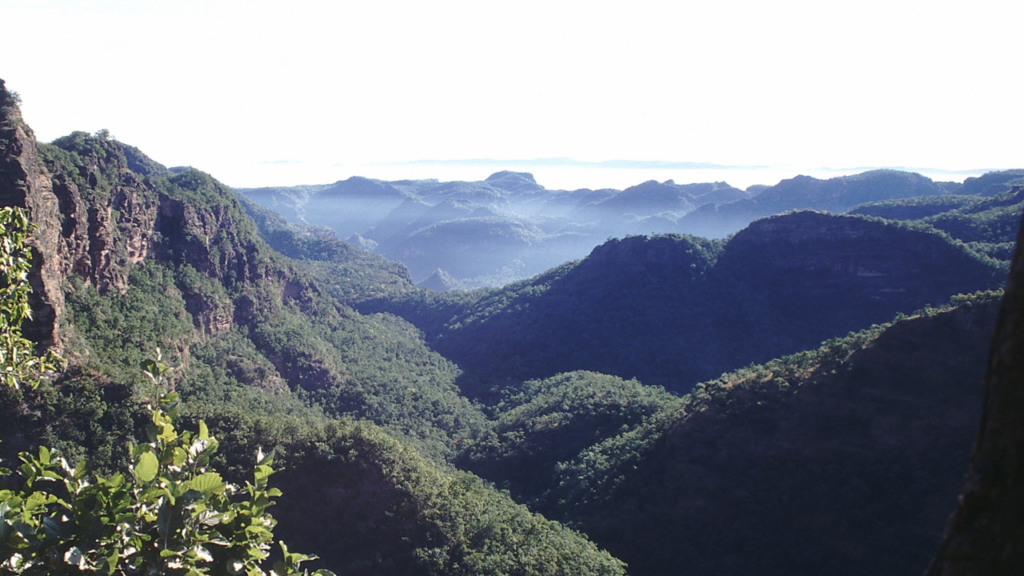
{"x": 23, "y": 183}
{"x": 95, "y": 217}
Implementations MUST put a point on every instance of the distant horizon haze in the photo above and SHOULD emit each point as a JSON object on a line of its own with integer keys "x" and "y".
{"x": 556, "y": 173}
{"x": 228, "y": 86}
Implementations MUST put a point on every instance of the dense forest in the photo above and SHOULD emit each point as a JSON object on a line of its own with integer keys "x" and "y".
{"x": 797, "y": 397}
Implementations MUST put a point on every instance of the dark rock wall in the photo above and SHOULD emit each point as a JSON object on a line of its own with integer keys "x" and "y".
{"x": 985, "y": 536}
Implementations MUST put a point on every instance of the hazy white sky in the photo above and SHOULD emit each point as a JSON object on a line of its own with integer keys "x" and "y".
{"x": 262, "y": 93}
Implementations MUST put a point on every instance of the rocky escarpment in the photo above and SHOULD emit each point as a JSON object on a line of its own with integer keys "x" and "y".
{"x": 96, "y": 217}
{"x": 107, "y": 214}
{"x": 205, "y": 231}
{"x": 92, "y": 219}
{"x": 23, "y": 183}
{"x": 208, "y": 239}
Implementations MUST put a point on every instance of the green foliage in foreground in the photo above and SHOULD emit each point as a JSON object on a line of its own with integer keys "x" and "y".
{"x": 18, "y": 362}
{"x": 171, "y": 515}
{"x": 364, "y": 502}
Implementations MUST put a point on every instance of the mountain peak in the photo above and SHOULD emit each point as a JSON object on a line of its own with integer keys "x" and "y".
{"x": 441, "y": 281}
{"x": 513, "y": 181}
{"x": 506, "y": 174}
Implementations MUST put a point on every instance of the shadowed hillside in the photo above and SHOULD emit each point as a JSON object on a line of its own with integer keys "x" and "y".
{"x": 675, "y": 310}
{"x": 842, "y": 460}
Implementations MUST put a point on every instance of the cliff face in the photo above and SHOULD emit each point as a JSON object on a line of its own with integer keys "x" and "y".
{"x": 23, "y": 183}
{"x": 208, "y": 239}
{"x": 95, "y": 217}
{"x": 99, "y": 239}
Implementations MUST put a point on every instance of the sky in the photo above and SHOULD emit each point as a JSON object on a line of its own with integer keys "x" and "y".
{"x": 262, "y": 93}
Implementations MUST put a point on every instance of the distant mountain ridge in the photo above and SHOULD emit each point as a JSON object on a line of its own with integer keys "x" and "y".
{"x": 524, "y": 229}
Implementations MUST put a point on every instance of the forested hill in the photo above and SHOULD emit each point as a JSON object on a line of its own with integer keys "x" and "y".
{"x": 131, "y": 257}
{"x": 844, "y": 460}
{"x": 988, "y": 224}
{"x": 384, "y": 401}
{"x": 675, "y": 310}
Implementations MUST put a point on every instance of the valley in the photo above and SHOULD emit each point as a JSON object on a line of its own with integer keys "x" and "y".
{"x": 781, "y": 380}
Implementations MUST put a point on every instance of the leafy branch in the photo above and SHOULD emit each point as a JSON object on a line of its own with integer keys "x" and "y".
{"x": 171, "y": 515}
{"x": 18, "y": 363}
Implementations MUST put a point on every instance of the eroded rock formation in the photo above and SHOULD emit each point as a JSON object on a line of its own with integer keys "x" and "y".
{"x": 23, "y": 183}
{"x": 96, "y": 217}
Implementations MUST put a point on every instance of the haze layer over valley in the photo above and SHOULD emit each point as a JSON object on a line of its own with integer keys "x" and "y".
{"x": 508, "y": 227}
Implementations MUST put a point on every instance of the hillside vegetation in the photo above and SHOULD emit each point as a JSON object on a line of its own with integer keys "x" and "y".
{"x": 675, "y": 310}
{"x": 668, "y": 404}
{"x": 135, "y": 260}
{"x": 841, "y": 460}
{"x": 988, "y": 224}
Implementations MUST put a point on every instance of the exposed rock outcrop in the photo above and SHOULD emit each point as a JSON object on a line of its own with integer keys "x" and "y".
{"x": 207, "y": 239}
{"x": 25, "y": 184}
{"x": 99, "y": 240}
{"x": 95, "y": 217}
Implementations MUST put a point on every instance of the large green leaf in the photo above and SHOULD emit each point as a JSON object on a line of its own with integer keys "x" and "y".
{"x": 208, "y": 483}
{"x": 147, "y": 467}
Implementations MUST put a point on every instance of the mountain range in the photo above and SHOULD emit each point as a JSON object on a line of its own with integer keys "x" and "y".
{"x": 508, "y": 227}
{"x": 798, "y": 397}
